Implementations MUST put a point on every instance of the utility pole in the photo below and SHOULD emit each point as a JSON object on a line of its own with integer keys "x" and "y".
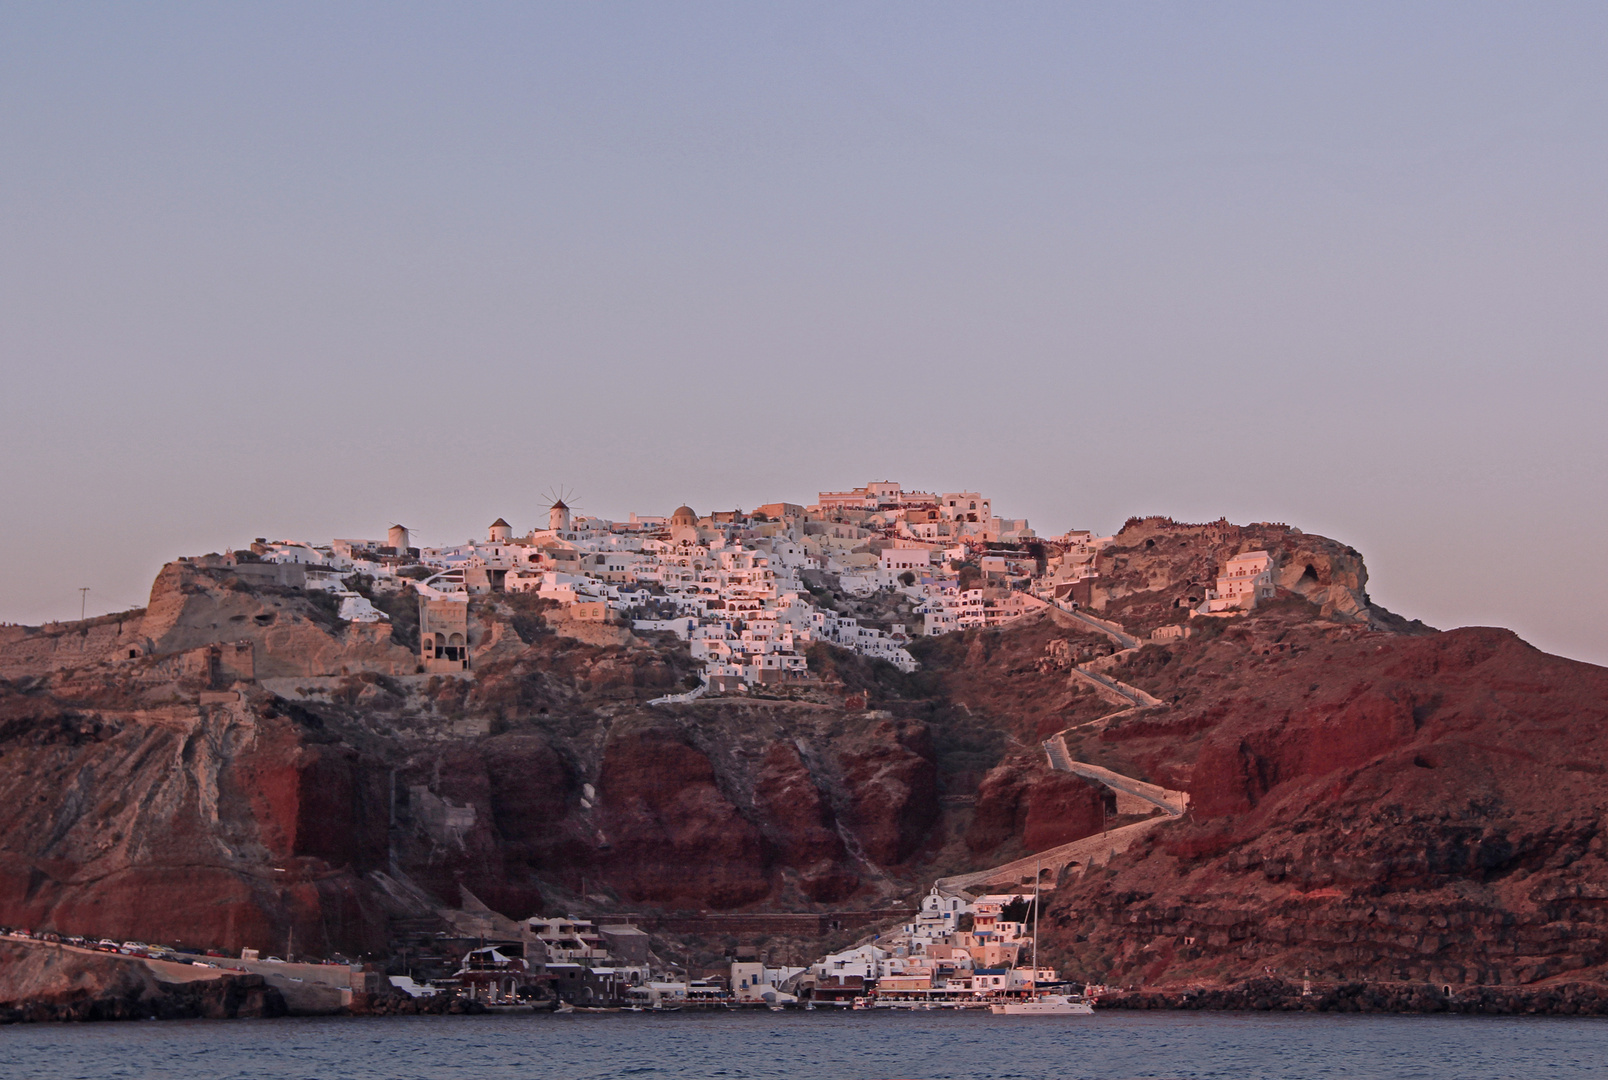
{"x": 83, "y": 600}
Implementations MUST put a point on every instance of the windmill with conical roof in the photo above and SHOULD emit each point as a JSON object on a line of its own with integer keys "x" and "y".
{"x": 558, "y": 514}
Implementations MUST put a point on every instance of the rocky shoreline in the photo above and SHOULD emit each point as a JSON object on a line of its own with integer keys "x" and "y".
{"x": 40, "y": 983}
{"x": 1278, "y": 995}
{"x": 240, "y": 997}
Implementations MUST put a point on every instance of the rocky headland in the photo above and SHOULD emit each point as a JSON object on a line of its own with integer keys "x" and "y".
{"x": 1371, "y": 803}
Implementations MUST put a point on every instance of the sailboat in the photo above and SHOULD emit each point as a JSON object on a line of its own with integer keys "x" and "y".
{"x": 1042, "y": 1004}
{"x": 1045, "y": 1005}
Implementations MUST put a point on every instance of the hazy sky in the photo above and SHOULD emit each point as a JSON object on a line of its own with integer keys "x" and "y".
{"x": 301, "y": 270}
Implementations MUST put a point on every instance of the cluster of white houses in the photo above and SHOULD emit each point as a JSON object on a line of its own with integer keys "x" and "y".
{"x": 732, "y": 584}
{"x": 958, "y": 949}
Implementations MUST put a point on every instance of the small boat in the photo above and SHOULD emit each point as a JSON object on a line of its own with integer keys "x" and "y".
{"x": 1044, "y": 1005}
{"x": 775, "y": 1008}
{"x": 563, "y": 1007}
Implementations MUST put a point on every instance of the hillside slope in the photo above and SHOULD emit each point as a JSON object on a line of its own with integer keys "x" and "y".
{"x": 1369, "y": 798}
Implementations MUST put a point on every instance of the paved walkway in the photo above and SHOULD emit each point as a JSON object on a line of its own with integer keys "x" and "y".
{"x": 1090, "y": 851}
{"x": 682, "y": 699}
{"x": 1112, "y": 630}
{"x": 1114, "y": 690}
{"x": 1173, "y": 802}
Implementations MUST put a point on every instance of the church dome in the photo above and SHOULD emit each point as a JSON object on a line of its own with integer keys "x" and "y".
{"x": 684, "y": 515}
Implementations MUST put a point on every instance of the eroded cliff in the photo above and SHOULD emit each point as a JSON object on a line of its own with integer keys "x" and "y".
{"x": 1369, "y": 799}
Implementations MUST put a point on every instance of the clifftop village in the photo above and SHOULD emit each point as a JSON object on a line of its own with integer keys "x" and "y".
{"x": 748, "y": 592}
{"x": 745, "y": 590}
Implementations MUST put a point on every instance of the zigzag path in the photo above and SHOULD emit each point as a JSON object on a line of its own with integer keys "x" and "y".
{"x": 1091, "y": 850}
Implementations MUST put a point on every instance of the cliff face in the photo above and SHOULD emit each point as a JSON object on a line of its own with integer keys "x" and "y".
{"x": 1038, "y": 807}
{"x": 227, "y": 815}
{"x": 1369, "y": 799}
{"x": 46, "y": 982}
{"x": 1363, "y": 806}
{"x": 1158, "y": 568}
{"x": 256, "y": 774}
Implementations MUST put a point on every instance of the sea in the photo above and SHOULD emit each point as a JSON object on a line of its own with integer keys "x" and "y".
{"x": 817, "y": 1046}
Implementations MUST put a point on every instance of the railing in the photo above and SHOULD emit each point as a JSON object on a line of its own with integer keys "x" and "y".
{"x": 682, "y": 699}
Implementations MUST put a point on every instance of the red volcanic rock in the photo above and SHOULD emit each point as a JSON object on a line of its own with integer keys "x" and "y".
{"x": 453, "y": 836}
{"x": 532, "y": 794}
{"x": 1062, "y": 808}
{"x": 999, "y": 815}
{"x": 799, "y": 822}
{"x": 214, "y": 827}
{"x": 531, "y": 786}
{"x": 1040, "y": 807}
{"x": 1367, "y": 800}
{"x": 674, "y": 837}
{"x": 47, "y": 982}
{"x": 1381, "y": 807}
{"x": 893, "y": 788}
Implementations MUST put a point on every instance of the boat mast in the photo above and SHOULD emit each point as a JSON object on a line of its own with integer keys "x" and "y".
{"x": 1035, "y": 925}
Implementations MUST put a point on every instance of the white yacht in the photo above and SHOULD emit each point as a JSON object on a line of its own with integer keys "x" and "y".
{"x": 1041, "y": 1003}
{"x": 1044, "y": 1005}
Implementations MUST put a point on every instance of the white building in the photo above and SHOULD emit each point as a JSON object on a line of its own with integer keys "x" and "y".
{"x": 1246, "y": 580}
{"x": 752, "y": 981}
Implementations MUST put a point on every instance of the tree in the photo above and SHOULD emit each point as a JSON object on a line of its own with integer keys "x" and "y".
{"x": 1019, "y": 910}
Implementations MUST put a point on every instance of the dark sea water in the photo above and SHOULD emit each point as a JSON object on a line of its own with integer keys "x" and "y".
{"x": 816, "y": 1046}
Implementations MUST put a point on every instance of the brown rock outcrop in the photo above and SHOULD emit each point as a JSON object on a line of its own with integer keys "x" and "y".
{"x": 1062, "y": 808}
{"x": 48, "y": 982}
{"x": 292, "y": 633}
{"x": 1382, "y": 807}
{"x": 1040, "y": 808}
{"x": 1158, "y": 568}
{"x": 800, "y": 824}
{"x": 892, "y": 783}
{"x": 1368, "y": 800}
{"x": 662, "y": 813}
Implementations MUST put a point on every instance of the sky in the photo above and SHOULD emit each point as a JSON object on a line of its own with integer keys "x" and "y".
{"x": 303, "y": 270}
